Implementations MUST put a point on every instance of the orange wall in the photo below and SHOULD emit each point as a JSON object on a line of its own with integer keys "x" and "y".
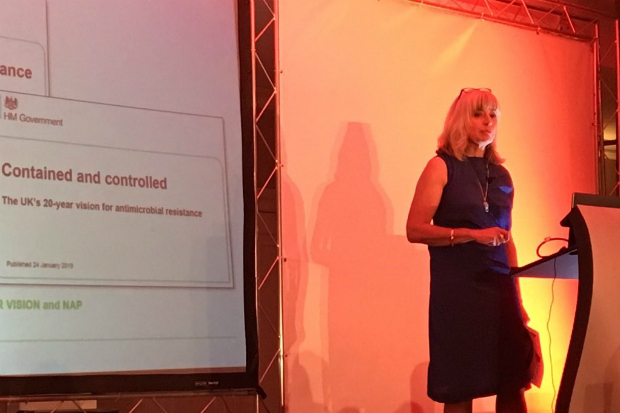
{"x": 365, "y": 86}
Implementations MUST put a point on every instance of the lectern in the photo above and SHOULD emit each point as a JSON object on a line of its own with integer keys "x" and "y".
{"x": 591, "y": 379}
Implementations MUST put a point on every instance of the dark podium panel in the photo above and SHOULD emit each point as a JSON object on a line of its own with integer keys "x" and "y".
{"x": 591, "y": 379}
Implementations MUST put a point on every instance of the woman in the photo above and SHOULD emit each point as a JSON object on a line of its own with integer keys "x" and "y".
{"x": 462, "y": 210}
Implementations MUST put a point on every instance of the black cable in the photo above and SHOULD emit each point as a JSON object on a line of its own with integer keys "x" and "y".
{"x": 555, "y": 276}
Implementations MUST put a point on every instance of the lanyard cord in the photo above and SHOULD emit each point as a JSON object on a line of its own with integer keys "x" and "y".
{"x": 484, "y": 192}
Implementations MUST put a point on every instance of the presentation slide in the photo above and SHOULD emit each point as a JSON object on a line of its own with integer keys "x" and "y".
{"x": 121, "y": 190}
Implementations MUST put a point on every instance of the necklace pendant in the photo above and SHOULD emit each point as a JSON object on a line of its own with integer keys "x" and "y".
{"x": 486, "y": 206}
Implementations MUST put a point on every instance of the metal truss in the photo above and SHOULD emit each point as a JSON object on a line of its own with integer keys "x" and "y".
{"x": 545, "y": 15}
{"x": 609, "y": 172}
{"x": 576, "y": 22}
{"x": 269, "y": 255}
{"x": 145, "y": 403}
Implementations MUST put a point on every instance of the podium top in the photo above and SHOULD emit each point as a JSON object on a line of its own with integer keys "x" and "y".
{"x": 605, "y": 201}
{"x": 563, "y": 264}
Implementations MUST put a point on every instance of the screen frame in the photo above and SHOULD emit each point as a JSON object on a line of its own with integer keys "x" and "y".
{"x": 88, "y": 385}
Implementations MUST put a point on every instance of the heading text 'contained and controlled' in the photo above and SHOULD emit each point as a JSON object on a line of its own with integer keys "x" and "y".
{"x": 44, "y": 173}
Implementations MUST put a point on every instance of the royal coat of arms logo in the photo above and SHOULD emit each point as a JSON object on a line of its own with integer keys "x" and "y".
{"x": 10, "y": 103}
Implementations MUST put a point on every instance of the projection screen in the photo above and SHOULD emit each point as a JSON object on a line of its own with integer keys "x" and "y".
{"x": 123, "y": 194}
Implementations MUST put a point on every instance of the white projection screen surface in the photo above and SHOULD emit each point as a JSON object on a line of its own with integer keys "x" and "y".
{"x": 122, "y": 192}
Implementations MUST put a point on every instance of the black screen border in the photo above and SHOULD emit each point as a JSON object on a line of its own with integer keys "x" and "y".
{"x": 50, "y": 386}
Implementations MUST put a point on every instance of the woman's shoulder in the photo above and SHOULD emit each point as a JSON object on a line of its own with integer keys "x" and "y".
{"x": 436, "y": 164}
{"x": 502, "y": 172}
{"x": 501, "y": 169}
{"x": 440, "y": 153}
{"x": 446, "y": 157}
{"x": 436, "y": 171}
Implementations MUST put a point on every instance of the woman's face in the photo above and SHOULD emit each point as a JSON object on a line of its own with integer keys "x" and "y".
{"x": 483, "y": 126}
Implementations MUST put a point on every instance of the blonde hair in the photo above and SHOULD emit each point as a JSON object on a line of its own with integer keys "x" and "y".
{"x": 454, "y": 138}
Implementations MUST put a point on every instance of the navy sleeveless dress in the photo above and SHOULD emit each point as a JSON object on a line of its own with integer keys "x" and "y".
{"x": 478, "y": 343}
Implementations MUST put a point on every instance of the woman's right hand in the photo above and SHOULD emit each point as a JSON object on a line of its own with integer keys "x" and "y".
{"x": 493, "y": 236}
